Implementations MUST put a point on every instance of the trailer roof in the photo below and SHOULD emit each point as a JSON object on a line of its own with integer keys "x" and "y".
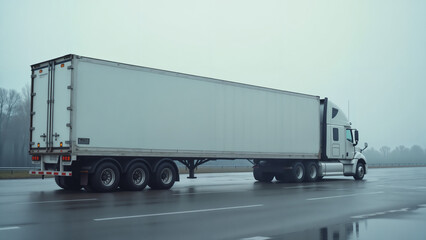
{"x": 69, "y": 57}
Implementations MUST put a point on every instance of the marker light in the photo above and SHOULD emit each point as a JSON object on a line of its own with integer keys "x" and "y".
{"x": 40, "y": 71}
{"x": 60, "y": 144}
{"x": 38, "y": 145}
{"x": 35, "y": 158}
{"x": 66, "y": 158}
{"x": 62, "y": 65}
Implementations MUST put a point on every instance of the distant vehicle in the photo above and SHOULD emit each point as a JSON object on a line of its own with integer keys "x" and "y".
{"x": 102, "y": 125}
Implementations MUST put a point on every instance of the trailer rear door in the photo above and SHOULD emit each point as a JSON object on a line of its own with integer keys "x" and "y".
{"x": 51, "y": 105}
{"x": 39, "y": 114}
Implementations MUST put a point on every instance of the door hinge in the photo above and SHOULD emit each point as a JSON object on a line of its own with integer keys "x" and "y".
{"x": 69, "y": 87}
{"x": 33, "y": 76}
{"x": 56, "y": 135}
{"x": 69, "y": 108}
{"x": 32, "y": 128}
{"x": 32, "y": 113}
{"x": 44, "y": 137}
{"x": 69, "y": 125}
{"x": 33, "y": 94}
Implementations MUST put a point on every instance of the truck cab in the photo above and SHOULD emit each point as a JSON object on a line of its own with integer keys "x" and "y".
{"x": 339, "y": 143}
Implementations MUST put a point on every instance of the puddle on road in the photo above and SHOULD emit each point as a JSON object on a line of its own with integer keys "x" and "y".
{"x": 408, "y": 225}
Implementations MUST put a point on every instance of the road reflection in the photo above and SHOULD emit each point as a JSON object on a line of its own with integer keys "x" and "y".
{"x": 395, "y": 224}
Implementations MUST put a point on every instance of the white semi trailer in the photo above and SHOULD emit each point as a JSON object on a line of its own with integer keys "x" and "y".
{"x": 100, "y": 125}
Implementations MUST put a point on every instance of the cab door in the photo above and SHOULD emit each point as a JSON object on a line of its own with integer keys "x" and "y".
{"x": 350, "y": 148}
{"x": 336, "y": 142}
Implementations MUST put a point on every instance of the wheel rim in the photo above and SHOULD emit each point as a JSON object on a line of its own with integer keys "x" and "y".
{"x": 166, "y": 176}
{"x": 313, "y": 172}
{"x": 360, "y": 171}
{"x": 299, "y": 172}
{"x": 138, "y": 176}
{"x": 108, "y": 177}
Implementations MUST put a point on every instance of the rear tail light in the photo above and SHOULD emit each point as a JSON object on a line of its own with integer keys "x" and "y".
{"x": 35, "y": 158}
{"x": 66, "y": 158}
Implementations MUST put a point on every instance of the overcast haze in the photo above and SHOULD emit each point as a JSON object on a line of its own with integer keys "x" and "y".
{"x": 371, "y": 53}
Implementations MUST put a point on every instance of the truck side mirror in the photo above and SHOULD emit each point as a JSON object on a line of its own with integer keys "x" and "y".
{"x": 365, "y": 147}
{"x": 356, "y": 138}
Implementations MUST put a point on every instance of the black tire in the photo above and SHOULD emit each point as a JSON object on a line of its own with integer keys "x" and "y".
{"x": 68, "y": 183}
{"x": 59, "y": 182}
{"x": 257, "y": 173}
{"x": 311, "y": 171}
{"x": 151, "y": 183}
{"x": 297, "y": 172}
{"x": 282, "y": 177}
{"x": 267, "y": 177}
{"x": 261, "y": 176}
{"x": 106, "y": 178}
{"x": 164, "y": 177}
{"x": 136, "y": 178}
{"x": 360, "y": 171}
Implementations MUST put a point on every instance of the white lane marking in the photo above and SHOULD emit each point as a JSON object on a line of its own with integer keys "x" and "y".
{"x": 181, "y": 194}
{"x": 60, "y": 201}
{"x": 340, "y": 196}
{"x": 256, "y": 238}
{"x": 403, "y": 187}
{"x": 296, "y": 187}
{"x": 176, "y": 213}
{"x": 380, "y": 213}
{"x": 200, "y": 193}
{"x": 9, "y": 228}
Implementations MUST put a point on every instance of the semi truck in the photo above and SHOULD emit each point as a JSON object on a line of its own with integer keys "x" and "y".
{"x": 104, "y": 125}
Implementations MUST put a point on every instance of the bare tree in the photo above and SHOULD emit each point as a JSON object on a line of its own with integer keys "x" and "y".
{"x": 10, "y": 101}
{"x": 385, "y": 150}
{"x": 3, "y": 96}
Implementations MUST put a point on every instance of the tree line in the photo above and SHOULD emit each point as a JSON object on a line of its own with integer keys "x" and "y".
{"x": 399, "y": 155}
{"x": 15, "y": 127}
{"x": 15, "y": 134}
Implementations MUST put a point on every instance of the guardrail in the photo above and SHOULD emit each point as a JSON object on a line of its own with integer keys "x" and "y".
{"x": 384, "y": 165}
{"x": 15, "y": 169}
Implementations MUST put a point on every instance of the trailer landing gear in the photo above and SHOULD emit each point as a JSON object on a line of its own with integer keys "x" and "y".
{"x": 192, "y": 165}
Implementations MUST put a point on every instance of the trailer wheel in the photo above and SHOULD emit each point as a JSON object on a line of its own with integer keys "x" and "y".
{"x": 106, "y": 178}
{"x": 297, "y": 172}
{"x": 261, "y": 176}
{"x": 59, "y": 182}
{"x": 164, "y": 177}
{"x": 282, "y": 177}
{"x": 136, "y": 178}
{"x": 68, "y": 183}
{"x": 360, "y": 171}
{"x": 311, "y": 172}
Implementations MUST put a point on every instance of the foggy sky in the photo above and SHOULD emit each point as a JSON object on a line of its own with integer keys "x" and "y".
{"x": 370, "y": 53}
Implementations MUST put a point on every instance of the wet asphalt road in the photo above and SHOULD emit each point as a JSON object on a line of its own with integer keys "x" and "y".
{"x": 388, "y": 204}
